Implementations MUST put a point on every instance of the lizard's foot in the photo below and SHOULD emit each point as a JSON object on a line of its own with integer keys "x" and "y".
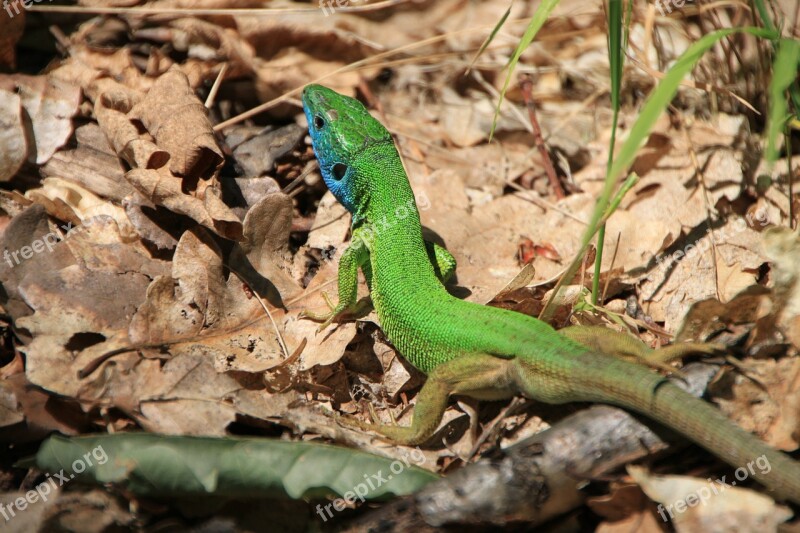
{"x": 336, "y": 313}
{"x": 470, "y": 375}
{"x": 611, "y": 342}
{"x": 406, "y": 436}
{"x": 682, "y": 349}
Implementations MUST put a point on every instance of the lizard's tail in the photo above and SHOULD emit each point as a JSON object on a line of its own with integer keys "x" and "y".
{"x": 639, "y": 389}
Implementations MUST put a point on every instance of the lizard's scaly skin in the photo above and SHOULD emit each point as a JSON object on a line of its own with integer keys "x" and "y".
{"x": 442, "y": 335}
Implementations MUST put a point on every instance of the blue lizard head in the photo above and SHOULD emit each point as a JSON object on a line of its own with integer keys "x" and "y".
{"x": 341, "y": 129}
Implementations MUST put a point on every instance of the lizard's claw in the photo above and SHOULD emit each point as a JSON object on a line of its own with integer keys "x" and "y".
{"x": 326, "y": 318}
{"x": 337, "y": 313}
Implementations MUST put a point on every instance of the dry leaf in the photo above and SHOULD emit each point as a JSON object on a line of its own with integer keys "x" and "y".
{"x": 711, "y": 505}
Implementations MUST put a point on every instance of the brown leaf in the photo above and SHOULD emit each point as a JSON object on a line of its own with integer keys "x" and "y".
{"x": 163, "y": 188}
{"x": 763, "y": 396}
{"x": 177, "y": 121}
{"x": 50, "y": 104}
{"x": 92, "y": 165}
{"x": 700, "y": 505}
{"x": 13, "y": 145}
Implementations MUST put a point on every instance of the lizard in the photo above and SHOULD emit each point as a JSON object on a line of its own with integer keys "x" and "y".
{"x": 468, "y": 349}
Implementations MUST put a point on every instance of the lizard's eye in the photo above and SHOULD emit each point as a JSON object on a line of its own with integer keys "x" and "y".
{"x": 319, "y": 122}
{"x": 339, "y": 170}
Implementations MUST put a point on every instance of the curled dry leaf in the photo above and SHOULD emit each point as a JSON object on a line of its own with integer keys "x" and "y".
{"x": 175, "y": 166}
{"x": 125, "y": 138}
{"x": 263, "y": 254}
{"x": 49, "y": 104}
{"x": 163, "y": 188}
{"x": 177, "y": 121}
{"x": 13, "y": 146}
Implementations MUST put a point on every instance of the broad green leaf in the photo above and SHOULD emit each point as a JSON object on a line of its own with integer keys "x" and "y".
{"x": 156, "y": 465}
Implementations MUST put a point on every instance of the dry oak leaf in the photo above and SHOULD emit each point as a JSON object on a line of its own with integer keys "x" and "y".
{"x": 126, "y": 140}
{"x": 83, "y": 294}
{"x": 773, "y": 413}
{"x": 177, "y": 120}
{"x": 198, "y": 310}
{"x": 165, "y": 189}
{"x": 49, "y": 104}
{"x": 13, "y": 145}
{"x": 19, "y": 260}
{"x": 92, "y": 165}
{"x": 323, "y": 347}
{"x": 81, "y": 205}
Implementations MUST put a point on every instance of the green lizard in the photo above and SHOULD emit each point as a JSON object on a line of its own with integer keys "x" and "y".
{"x": 474, "y": 350}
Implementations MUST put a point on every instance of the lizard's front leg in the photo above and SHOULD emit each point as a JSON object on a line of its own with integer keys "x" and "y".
{"x": 356, "y": 255}
{"x": 476, "y": 375}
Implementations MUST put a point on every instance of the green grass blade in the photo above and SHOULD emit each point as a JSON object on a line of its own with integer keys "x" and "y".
{"x": 536, "y": 23}
{"x": 784, "y": 73}
{"x": 615, "y": 60}
{"x": 763, "y": 13}
{"x": 656, "y": 103}
{"x": 663, "y": 94}
{"x": 490, "y": 38}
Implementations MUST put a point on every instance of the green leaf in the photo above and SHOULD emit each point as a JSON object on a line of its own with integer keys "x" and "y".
{"x": 156, "y": 465}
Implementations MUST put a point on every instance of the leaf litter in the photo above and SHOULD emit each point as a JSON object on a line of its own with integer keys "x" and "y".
{"x": 163, "y": 241}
